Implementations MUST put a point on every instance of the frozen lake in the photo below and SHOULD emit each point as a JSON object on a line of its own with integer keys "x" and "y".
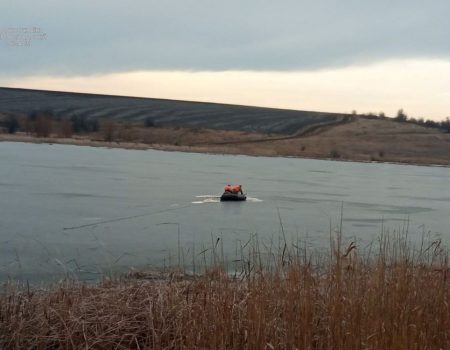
{"x": 83, "y": 210}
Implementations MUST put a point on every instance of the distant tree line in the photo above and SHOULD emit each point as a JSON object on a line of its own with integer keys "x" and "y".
{"x": 44, "y": 123}
{"x": 402, "y": 117}
{"x": 443, "y": 125}
{"x": 39, "y": 123}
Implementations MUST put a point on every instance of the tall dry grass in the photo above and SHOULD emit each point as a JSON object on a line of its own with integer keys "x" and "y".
{"x": 392, "y": 297}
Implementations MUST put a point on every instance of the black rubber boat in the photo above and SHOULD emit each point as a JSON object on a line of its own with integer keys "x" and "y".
{"x": 228, "y": 196}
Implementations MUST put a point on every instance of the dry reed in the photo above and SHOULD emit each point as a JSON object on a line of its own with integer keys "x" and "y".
{"x": 393, "y": 298}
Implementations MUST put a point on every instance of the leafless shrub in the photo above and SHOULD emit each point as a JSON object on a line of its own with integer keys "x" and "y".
{"x": 335, "y": 154}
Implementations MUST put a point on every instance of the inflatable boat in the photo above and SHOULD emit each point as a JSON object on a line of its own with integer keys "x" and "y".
{"x": 233, "y": 193}
{"x": 228, "y": 196}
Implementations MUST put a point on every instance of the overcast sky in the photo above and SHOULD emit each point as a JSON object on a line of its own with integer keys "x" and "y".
{"x": 246, "y": 41}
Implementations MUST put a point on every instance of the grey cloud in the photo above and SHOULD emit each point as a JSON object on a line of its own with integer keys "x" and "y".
{"x": 87, "y": 37}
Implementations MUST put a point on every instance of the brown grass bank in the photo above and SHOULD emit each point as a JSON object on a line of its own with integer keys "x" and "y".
{"x": 395, "y": 298}
{"x": 358, "y": 139}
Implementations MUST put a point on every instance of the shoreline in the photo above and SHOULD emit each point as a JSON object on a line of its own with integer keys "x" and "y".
{"x": 87, "y": 142}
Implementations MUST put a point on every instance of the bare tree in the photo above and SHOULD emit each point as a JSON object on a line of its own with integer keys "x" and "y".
{"x": 43, "y": 126}
{"x": 107, "y": 129}
{"x": 12, "y": 124}
{"x": 149, "y": 122}
{"x": 401, "y": 116}
{"x": 65, "y": 128}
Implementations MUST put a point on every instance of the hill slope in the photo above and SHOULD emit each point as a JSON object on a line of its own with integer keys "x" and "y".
{"x": 163, "y": 112}
{"x": 219, "y": 128}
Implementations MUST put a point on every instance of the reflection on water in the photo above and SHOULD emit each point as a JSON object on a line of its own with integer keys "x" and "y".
{"x": 88, "y": 211}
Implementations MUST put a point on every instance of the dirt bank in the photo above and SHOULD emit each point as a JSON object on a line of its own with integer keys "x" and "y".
{"x": 357, "y": 140}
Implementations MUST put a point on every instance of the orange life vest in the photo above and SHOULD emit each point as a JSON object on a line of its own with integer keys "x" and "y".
{"x": 233, "y": 188}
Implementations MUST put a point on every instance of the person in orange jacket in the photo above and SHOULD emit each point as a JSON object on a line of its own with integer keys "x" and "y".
{"x": 234, "y": 189}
